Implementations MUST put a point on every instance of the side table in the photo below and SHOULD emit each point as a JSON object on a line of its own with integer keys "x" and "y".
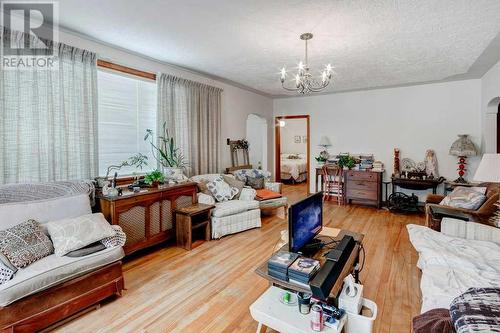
{"x": 190, "y": 218}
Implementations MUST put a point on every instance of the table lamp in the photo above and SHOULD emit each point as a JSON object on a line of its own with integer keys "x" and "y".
{"x": 489, "y": 169}
{"x": 463, "y": 147}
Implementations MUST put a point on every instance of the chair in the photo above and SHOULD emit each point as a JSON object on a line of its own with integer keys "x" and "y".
{"x": 333, "y": 182}
{"x": 481, "y": 215}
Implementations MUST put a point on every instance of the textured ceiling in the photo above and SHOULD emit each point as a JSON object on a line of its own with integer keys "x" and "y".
{"x": 371, "y": 43}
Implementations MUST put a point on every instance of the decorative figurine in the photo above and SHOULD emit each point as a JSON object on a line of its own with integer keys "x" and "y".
{"x": 431, "y": 164}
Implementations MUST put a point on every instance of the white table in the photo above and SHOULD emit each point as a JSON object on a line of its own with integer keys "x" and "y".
{"x": 268, "y": 311}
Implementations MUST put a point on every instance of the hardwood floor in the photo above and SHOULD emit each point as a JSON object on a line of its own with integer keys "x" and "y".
{"x": 210, "y": 288}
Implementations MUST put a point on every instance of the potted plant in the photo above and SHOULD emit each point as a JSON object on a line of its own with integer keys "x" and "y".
{"x": 154, "y": 178}
{"x": 165, "y": 151}
{"x": 347, "y": 162}
{"x": 321, "y": 160}
{"x": 138, "y": 161}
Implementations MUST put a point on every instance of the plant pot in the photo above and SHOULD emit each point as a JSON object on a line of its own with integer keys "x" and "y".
{"x": 173, "y": 173}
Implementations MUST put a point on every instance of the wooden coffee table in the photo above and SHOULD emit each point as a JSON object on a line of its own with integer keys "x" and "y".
{"x": 190, "y": 218}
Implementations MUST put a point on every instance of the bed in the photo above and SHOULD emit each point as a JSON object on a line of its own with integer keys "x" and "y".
{"x": 294, "y": 167}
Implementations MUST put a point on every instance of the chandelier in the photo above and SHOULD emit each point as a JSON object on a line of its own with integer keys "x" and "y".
{"x": 304, "y": 81}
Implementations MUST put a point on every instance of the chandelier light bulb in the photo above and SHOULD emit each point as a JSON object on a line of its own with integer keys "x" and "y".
{"x": 305, "y": 82}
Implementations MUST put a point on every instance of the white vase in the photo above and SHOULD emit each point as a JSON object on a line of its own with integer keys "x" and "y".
{"x": 173, "y": 173}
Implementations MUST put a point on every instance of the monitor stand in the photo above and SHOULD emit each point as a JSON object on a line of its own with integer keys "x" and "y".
{"x": 311, "y": 248}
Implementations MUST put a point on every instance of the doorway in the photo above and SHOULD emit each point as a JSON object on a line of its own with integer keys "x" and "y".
{"x": 292, "y": 148}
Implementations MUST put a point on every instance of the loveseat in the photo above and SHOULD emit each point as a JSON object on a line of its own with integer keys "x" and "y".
{"x": 54, "y": 287}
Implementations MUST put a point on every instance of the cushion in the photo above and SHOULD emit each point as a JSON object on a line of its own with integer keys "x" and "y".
{"x": 202, "y": 187}
{"x": 433, "y": 321}
{"x": 242, "y": 174}
{"x": 256, "y": 183}
{"x": 118, "y": 239}
{"x": 234, "y": 207}
{"x": 221, "y": 190}
{"x": 53, "y": 270}
{"x": 465, "y": 197}
{"x": 5, "y": 273}
{"x": 265, "y": 194}
{"x": 6, "y": 262}
{"x": 89, "y": 249}
{"x": 44, "y": 210}
{"x": 25, "y": 243}
{"x": 74, "y": 233}
{"x": 233, "y": 182}
{"x": 476, "y": 310}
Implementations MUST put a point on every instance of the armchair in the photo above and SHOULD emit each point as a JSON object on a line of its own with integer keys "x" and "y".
{"x": 480, "y": 215}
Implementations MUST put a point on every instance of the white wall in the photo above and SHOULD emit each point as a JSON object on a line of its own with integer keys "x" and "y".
{"x": 292, "y": 128}
{"x": 256, "y": 134}
{"x": 414, "y": 119}
{"x": 237, "y": 103}
{"x": 490, "y": 91}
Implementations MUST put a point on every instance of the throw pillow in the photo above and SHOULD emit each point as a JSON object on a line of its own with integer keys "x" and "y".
{"x": 465, "y": 197}
{"x": 265, "y": 194}
{"x": 25, "y": 243}
{"x": 85, "y": 251}
{"x": 435, "y": 320}
{"x": 233, "y": 182}
{"x": 257, "y": 183}
{"x": 476, "y": 310}
{"x": 221, "y": 190}
{"x": 202, "y": 187}
{"x": 6, "y": 262}
{"x": 74, "y": 233}
{"x": 5, "y": 273}
{"x": 118, "y": 239}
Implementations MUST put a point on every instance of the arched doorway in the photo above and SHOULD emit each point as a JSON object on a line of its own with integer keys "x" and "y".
{"x": 257, "y": 139}
{"x": 491, "y": 127}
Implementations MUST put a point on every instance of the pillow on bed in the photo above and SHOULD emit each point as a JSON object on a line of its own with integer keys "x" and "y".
{"x": 294, "y": 157}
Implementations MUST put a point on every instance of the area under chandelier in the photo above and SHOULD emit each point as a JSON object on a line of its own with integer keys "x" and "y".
{"x": 304, "y": 81}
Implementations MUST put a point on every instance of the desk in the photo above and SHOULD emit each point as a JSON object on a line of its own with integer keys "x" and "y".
{"x": 337, "y": 287}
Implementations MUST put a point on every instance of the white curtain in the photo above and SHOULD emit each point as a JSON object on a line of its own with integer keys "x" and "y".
{"x": 48, "y": 118}
{"x": 192, "y": 113}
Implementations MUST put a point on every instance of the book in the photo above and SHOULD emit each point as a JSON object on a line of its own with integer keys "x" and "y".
{"x": 303, "y": 266}
{"x": 282, "y": 259}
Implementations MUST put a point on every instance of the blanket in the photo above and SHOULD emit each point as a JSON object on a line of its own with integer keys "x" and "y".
{"x": 451, "y": 265}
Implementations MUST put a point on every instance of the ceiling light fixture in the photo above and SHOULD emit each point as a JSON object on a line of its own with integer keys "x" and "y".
{"x": 304, "y": 81}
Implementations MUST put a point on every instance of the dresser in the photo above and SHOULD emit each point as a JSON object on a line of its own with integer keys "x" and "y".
{"x": 147, "y": 217}
{"x": 363, "y": 187}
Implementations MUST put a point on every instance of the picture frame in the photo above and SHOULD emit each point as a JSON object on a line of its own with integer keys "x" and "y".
{"x": 297, "y": 139}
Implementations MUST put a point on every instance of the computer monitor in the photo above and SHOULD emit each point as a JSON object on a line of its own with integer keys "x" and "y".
{"x": 305, "y": 221}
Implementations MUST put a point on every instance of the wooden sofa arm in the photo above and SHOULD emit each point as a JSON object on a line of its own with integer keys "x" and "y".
{"x": 434, "y": 198}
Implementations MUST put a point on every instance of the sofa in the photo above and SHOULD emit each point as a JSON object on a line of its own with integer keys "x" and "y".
{"x": 229, "y": 217}
{"x": 463, "y": 255}
{"x": 54, "y": 287}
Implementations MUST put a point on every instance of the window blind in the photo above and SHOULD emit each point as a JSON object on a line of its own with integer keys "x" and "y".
{"x": 126, "y": 108}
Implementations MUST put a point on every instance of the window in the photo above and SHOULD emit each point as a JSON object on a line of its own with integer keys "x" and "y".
{"x": 127, "y": 107}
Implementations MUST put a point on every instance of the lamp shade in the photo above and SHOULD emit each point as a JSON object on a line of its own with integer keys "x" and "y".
{"x": 463, "y": 146}
{"x": 324, "y": 142}
{"x": 489, "y": 169}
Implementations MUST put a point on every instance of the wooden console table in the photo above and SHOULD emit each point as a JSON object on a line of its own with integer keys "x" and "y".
{"x": 416, "y": 184}
{"x": 146, "y": 217}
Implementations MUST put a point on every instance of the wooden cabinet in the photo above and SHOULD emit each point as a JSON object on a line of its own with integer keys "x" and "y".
{"x": 363, "y": 187}
{"x": 147, "y": 217}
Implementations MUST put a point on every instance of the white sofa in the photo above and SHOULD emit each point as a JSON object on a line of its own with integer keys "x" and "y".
{"x": 51, "y": 270}
{"x": 463, "y": 255}
{"x": 232, "y": 216}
